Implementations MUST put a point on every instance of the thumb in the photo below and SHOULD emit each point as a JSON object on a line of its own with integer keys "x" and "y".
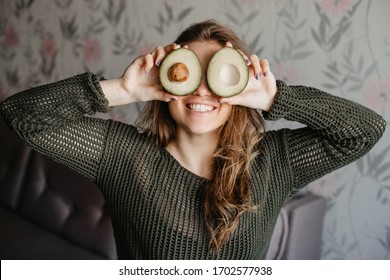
{"x": 165, "y": 96}
{"x": 234, "y": 100}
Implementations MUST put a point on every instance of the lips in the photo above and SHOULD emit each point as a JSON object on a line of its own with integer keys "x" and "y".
{"x": 200, "y": 107}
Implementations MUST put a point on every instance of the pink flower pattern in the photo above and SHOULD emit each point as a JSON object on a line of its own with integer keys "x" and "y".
{"x": 48, "y": 48}
{"x": 338, "y": 8}
{"x": 11, "y": 37}
{"x": 92, "y": 49}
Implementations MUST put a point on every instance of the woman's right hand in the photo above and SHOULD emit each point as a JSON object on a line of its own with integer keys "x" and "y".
{"x": 141, "y": 78}
{"x": 140, "y": 81}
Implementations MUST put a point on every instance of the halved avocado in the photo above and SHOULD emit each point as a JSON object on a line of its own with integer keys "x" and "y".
{"x": 227, "y": 73}
{"x": 181, "y": 72}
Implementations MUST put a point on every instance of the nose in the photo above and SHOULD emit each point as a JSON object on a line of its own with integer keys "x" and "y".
{"x": 203, "y": 89}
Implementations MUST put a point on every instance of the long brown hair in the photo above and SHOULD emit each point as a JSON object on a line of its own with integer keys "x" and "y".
{"x": 228, "y": 195}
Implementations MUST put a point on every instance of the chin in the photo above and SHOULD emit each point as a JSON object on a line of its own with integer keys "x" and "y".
{"x": 202, "y": 129}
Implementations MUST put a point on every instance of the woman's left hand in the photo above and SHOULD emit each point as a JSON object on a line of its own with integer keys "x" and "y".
{"x": 261, "y": 89}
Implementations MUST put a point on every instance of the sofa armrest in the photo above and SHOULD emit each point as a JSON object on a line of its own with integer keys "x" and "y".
{"x": 298, "y": 230}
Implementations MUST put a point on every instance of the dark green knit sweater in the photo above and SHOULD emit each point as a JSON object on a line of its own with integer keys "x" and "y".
{"x": 155, "y": 203}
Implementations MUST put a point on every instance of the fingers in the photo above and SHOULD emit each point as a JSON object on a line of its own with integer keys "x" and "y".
{"x": 265, "y": 67}
{"x": 248, "y": 62}
{"x": 171, "y": 47}
{"x": 230, "y": 45}
{"x": 149, "y": 62}
{"x": 162, "y": 95}
{"x": 256, "y": 65}
{"x": 260, "y": 67}
{"x": 158, "y": 55}
{"x": 165, "y": 96}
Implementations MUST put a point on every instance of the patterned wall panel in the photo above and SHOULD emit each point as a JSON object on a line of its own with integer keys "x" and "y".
{"x": 340, "y": 46}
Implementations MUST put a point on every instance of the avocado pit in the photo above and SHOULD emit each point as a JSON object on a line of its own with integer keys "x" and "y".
{"x": 178, "y": 73}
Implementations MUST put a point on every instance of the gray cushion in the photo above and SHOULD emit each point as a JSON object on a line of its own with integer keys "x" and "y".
{"x": 298, "y": 231}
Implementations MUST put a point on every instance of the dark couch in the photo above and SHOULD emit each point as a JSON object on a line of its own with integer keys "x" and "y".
{"x": 48, "y": 211}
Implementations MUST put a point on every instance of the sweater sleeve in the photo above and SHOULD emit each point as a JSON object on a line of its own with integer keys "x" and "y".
{"x": 337, "y": 132}
{"x": 51, "y": 119}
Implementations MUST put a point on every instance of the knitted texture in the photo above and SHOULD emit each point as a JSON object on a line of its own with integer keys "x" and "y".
{"x": 155, "y": 203}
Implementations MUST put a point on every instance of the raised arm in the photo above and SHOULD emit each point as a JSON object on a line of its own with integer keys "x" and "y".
{"x": 338, "y": 131}
{"x": 51, "y": 120}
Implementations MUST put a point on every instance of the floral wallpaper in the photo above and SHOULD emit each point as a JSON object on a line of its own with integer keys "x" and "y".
{"x": 340, "y": 46}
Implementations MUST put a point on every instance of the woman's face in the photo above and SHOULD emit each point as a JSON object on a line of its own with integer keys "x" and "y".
{"x": 200, "y": 113}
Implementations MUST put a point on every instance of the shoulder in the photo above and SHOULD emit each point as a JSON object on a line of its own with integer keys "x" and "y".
{"x": 126, "y": 138}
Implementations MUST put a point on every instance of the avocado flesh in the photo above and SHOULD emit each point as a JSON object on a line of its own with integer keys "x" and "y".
{"x": 227, "y": 73}
{"x": 181, "y": 72}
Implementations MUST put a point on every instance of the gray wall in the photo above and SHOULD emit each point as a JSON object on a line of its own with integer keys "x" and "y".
{"x": 342, "y": 47}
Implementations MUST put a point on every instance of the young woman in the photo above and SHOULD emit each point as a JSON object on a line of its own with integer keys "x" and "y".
{"x": 190, "y": 183}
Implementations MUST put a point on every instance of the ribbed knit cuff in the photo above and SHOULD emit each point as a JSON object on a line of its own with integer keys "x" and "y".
{"x": 96, "y": 96}
{"x": 278, "y": 108}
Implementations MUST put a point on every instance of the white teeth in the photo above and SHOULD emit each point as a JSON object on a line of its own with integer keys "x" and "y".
{"x": 200, "y": 107}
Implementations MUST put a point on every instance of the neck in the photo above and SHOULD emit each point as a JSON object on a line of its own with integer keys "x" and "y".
{"x": 194, "y": 152}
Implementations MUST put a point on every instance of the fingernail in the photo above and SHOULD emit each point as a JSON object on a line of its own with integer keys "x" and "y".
{"x": 257, "y": 76}
{"x": 147, "y": 71}
{"x": 265, "y": 74}
{"x": 247, "y": 61}
{"x": 158, "y": 63}
{"x": 173, "y": 99}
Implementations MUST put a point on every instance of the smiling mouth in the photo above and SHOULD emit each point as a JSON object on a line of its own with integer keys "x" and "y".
{"x": 200, "y": 107}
